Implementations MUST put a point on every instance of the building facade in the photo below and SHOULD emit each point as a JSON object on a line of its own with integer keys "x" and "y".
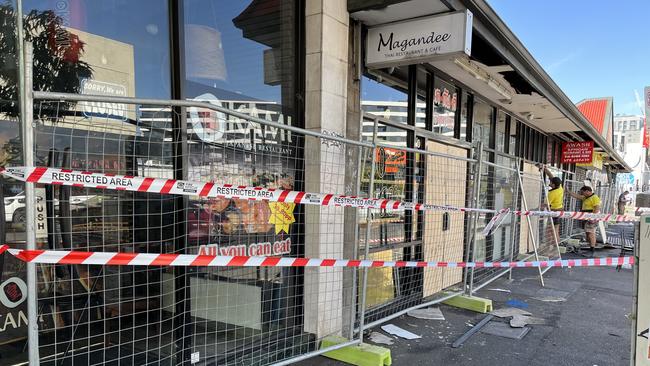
{"x": 299, "y": 63}
{"x": 628, "y": 141}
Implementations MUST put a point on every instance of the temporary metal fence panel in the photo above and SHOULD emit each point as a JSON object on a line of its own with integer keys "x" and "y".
{"x": 432, "y": 173}
{"x": 499, "y": 189}
{"x": 92, "y": 314}
{"x": 572, "y": 229}
{"x": 541, "y": 238}
{"x": 102, "y": 314}
{"x": 609, "y": 195}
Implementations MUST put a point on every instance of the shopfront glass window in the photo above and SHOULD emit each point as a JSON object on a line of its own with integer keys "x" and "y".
{"x": 115, "y": 48}
{"x": 505, "y": 189}
{"x": 501, "y": 131}
{"x": 12, "y": 231}
{"x": 482, "y": 123}
{"x": 464, "y": 110}
{"x": 512, "y": 139}
{"x": 383, "y": 97}
{"x": 421, "y": 104}
{"x": 481, "y": 131}
{"x": 445, "y": 99}
{"x": 241, "y": 55}
{"x": 106, "y": 48}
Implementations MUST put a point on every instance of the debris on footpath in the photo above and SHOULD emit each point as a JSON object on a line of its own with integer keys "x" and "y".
{"x": 504, "y": 330}
{"x": 520, "y": 318}
{"x": 520, "y": 321}
{"x": 459, "y": 342}
{"x": 379, "y": 338}
{"x": 428, "y": 314}
{"x": 550, "y": 299}
{"x": 499, "y": 290}
{"x": 397, "y": 331}
{"x": 517, "y": 304}
{"x": 509, "y": 312}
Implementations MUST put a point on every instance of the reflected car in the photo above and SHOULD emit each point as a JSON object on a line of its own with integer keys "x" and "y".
{"x": 15, "y": 211}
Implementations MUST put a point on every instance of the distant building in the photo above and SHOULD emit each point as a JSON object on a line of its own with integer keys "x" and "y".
{"x": 627, "y": 129}
{"x": 628, "y": 141}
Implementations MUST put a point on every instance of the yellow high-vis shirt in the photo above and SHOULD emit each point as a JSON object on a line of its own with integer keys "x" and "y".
{"x": 591, "y": 202}
{"x": 556, "y": 198}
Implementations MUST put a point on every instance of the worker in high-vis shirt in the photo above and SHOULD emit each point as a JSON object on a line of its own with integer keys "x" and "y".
{"x": 555, "y": 198}
{"x": 590, "y": 203}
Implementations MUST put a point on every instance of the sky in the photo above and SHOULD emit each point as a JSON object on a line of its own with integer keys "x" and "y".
{"x": 596, "y": 48}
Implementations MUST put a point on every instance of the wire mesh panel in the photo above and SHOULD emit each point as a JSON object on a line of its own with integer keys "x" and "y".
{"x": 437, "y": 174}
{"x": 13, "y": 279}
{"x": 609, "y": 195}
{"x": 444, "y": 232}
{"x": 263, "y": 314}
{"x": 571, "y": 228}
{"x": 91, "y": 314}
{"x": 389, "y": 237}
{"x": 164, "y": 315}
{"x": 498, "y": 190}
{"x": 543, "y": 231}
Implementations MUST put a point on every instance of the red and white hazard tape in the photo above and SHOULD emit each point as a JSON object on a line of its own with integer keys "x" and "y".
{"x": 397, "y": 239}
{"x": 575, "y": 215}
{"x": 83, "y": 179}
{"x": 196, "y": 260}
{"x": 640, "y": 210}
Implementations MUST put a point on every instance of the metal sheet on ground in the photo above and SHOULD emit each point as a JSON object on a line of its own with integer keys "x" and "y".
{"x": 504, "y": 330}
{"x": 549, "y": 292}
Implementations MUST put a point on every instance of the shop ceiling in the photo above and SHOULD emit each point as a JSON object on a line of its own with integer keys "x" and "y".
{"x": 490, "y": 72}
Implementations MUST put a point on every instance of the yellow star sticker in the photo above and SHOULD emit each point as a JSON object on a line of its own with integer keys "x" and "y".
{"x": 281, "y": 216}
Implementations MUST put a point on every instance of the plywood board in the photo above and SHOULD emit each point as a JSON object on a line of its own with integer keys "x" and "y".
{"x": 445, "y": 184}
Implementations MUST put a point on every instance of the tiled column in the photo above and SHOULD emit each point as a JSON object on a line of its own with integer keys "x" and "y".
{"x": 325, "y": 111}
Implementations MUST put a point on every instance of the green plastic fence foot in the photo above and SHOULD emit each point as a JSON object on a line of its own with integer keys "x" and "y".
{"x": 472, "y": 303}
{"x": 361, "y": 355}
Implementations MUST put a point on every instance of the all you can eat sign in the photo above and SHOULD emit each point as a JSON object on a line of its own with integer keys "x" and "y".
{"x": 419, "y": 40}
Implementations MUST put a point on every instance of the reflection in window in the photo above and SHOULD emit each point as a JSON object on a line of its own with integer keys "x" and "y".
{"x": 464, "y": 112}
{"x": 504, "y": 197}
{"x": 241, "y": 55}
{"x": 501, "y": 131}
{"x": 121, "y": 48}
{"x": 482, "y": 123}
{"x": 445, "y": 98}
{"x": 421, "y": 104}
{"x": 383, "y": 102}
{"x": 512, "y": 139}
{"x": 381, "y": 99}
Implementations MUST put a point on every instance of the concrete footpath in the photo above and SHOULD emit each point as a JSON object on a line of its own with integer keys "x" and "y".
{"x": 586, "y": 313}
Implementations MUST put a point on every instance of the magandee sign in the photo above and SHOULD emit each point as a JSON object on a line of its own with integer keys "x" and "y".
{"x": 419, "y": 40}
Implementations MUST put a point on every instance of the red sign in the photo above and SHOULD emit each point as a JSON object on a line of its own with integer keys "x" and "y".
{"x": 646, "y": 133}
{"x": 577, "y": 152}
{"x": 391, "y": 159}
